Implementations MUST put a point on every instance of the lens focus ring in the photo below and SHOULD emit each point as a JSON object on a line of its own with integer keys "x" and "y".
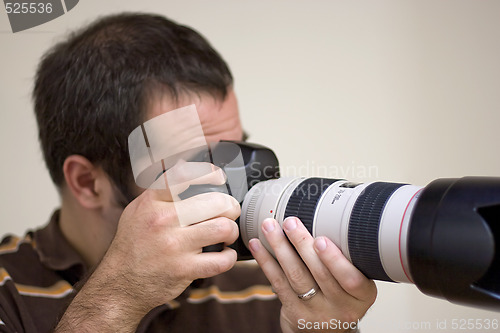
{"x": 304, "y": 199}
{"x": 364, "y": 226}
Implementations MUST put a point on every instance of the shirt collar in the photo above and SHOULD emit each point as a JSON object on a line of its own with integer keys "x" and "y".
{"x": 54, "y": 250}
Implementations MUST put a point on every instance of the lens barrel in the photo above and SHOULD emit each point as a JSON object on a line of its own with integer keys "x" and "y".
{"x": 444, "y": 237}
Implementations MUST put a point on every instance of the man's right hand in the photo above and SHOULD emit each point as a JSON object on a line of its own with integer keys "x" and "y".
{"x": 157, "y": 251}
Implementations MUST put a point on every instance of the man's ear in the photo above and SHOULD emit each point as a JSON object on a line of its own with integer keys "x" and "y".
{"x": 83, "y": 180}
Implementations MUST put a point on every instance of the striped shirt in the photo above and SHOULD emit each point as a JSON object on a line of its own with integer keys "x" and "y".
{"x": 39, "y": 271}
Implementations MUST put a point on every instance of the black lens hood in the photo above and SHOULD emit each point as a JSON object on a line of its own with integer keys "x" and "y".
{"x": 453, "y": 241}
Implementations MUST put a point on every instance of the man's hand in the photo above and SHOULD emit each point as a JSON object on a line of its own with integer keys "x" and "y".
{"x": 343, "y": 295}
{"x": 153, "y": 256}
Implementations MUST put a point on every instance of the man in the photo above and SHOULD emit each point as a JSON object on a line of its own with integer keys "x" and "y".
{"x": 115, "y": 258}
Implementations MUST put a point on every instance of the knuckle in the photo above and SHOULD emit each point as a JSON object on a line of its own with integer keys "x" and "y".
{"x": 279, "y": 284}
{"x": 219, "y": 200}
{"x": 302, "y": 239}
{"x": 209, "y": 269}
{"x": 297, "y": 274}
{"x": 227, "y": 261}
{"x": 354, "y": 283}
{"x": 181, "y": 271}
{"x": 323, "y": 274}
{"x": 224, "y": 227}
{"x": 235, "y": 209}
{"x": 162, "y": 217}
{"x": 225, "y": 203}
{"x": 216, "y": 266}
{"x": 171, "y": 244}
{"x": 335, "y": 256}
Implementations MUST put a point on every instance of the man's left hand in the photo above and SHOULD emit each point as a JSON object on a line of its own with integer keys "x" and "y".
{"x": 341, "y": 295}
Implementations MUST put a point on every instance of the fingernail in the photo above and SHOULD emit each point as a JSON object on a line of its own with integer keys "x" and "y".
{"x": 290, "y": 223}
{"x": 254, "y": 244}
{"x": 268, "y": 225}
{"x": 320, "y": 243}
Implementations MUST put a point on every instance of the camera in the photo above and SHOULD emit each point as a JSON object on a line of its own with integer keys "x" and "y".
{"x": 443, "y": 237}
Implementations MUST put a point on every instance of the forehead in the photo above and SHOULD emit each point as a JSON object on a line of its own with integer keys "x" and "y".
{"x": 219, "y": 118}
{"x": 209, "y": 107}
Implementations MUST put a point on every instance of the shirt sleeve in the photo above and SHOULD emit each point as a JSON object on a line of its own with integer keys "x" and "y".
{"x": 14, "y": 316}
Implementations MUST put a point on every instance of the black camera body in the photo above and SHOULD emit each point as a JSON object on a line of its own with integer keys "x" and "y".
{"x": 245, "y": 164}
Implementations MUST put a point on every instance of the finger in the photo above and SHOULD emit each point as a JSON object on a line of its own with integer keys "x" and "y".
{"x": 272, "y": 270}
{"x": 206, "y": 206}
{"x": 183, "y": 174}
{"x": 347, "y": 275}
{"x": 214, "y": 231}
{"x": 209, "y": 264}
{"x": 303, "y": 242}
{"x": 296, "y": 271}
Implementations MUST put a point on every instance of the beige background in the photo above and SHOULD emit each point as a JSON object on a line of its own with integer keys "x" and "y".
{"x": 390, "y": 90}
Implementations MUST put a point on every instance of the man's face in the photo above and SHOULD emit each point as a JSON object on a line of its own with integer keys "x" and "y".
{"x": 219, "y": 120}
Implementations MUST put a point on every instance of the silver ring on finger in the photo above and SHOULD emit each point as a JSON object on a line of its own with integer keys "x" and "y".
{"x": 307, "y": 295}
